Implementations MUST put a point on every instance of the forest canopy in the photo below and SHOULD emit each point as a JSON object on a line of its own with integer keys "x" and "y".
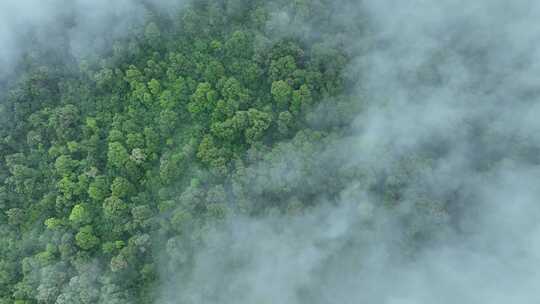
{"x": 110, "y": 159}
{"x": 251, "y": 151}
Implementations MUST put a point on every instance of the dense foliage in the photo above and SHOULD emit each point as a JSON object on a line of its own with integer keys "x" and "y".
{"x": 113, "y": 167}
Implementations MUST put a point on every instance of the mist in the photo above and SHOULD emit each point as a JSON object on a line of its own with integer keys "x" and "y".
{"x": 450, "y": 107}
{"x": 78, "y": 28}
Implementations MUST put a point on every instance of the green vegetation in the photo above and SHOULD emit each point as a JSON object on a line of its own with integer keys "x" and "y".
{"x": 114, "y": 165}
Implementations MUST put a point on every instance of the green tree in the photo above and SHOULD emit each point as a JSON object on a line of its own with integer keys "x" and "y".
{"x": 117, "y": 155}
{"x": 259, "y": 122}
{"x": 281, "y": 91}
{"x": 65, "y": 165}
{"x": 121, "y": 187}
{"x": 80, "y": 215}
{"x": 86, "y": 239}
{"x": 202, "y": 101}
{"x": 282, "y": 68}
{"x": 114, "y": 207}
{"x": 238, "y": 45}
{"x": 65, "y": 121}
{"x": 98, "y": 189}
{"x": 301, "y": 99}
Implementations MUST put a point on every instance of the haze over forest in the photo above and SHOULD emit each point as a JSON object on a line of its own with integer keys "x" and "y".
{"x": 257, "y": 152}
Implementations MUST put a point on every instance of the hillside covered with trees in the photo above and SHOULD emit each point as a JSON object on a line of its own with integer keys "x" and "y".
{"x": 115, "y": 163}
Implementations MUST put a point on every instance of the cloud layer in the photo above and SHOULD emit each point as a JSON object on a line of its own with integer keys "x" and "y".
{"x": 450, "y": 99}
